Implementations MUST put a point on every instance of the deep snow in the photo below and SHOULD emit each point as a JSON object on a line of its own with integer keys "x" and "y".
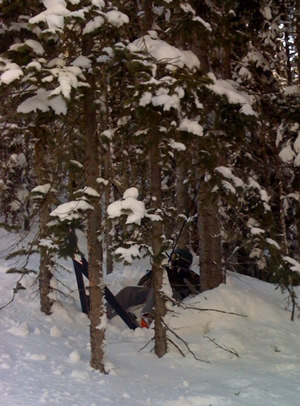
{"x": 246, "y": 359}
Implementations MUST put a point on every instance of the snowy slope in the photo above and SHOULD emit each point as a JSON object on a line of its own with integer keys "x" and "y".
{"x": 249, "y": 358}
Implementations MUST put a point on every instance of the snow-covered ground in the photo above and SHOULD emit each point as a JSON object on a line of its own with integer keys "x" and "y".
{"x": 250, "y": 358}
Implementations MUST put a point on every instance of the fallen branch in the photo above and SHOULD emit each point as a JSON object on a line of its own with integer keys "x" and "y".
{"x": 184, "y": 342}
{"x": 176, "y": 346}
{"x": 230, "y": 350}
{"x": 212, "y": 310}
{"x": 15, "y": 291}
{"x": 149, "y": 341}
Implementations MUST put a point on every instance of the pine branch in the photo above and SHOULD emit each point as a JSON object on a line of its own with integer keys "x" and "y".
{"x": 22, "y": 271}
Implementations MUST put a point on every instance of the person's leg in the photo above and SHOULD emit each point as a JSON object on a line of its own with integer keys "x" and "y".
{"x": 176, "y": 296}
{"x": 129, "y": 296}
{"x": 149, "y": 302}
{"x": 148, "y": 309}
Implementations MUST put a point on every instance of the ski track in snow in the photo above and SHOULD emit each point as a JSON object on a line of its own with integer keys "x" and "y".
{"x": 44, "y": 360}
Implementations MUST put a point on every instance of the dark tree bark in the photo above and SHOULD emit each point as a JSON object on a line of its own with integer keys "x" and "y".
{"x": 157, "y": 231}
{"x": 148, "y": 15}
{"x": 95, "y": 253}
{"x": 298, "y": 36}
{"x": 298, "y": 66}
{"x": 208, "y": 224}
{"x": 182, "y": 202}
{"x": 108, "y": 228}
{"x": 211, "y": 273}
{"x": 46, "y": 262}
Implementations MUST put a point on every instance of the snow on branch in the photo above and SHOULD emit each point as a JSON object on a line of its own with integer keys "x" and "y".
{"x": 191, "y": 126}
{"x": 163, "y": 52}
{"x": 187, "y": 8}
{"x": 294, "y": 265}
{"x": 11, "y": 73}
{"x": 54, "y": 14}
{"x": 129, "y": 206}
{"x": 43, "y": 102}
{"x": 72, "y": 210}
{"x": 30, "y": 43}
{"x": 68, "y": 79}
{"x": 227, "y": 173}
{"x": 128, "y": 254}
{"x": 229, "y": 89}
{"x": 42, "y": 190}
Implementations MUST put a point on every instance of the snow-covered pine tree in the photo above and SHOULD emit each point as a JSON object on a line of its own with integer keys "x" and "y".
{"x": 259, "y": 72}
{"x": 50, "y": 67}
{"x": 16, "y": 151}
{"x": 22, "y": 60}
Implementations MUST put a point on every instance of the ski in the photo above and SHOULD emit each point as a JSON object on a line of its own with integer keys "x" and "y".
{"x": 81, "y": 268}
{"x": 123, "y": 313}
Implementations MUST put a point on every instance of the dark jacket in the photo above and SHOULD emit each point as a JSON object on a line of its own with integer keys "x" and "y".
{"x": 183, "y": 281}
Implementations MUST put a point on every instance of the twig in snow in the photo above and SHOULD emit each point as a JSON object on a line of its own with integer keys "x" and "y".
{"x": 176, "y": 346}
{"x": 185, "y": 343}
{"x": 15, "y": 291}
{"x": 231, "y": 350}
{"x": 149, "y": 341}
{"x": 212, "y": 310}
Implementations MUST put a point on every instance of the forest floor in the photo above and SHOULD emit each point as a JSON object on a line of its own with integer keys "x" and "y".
{"x": 249, "y": 358}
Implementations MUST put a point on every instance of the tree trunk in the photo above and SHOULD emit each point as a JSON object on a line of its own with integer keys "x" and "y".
{"x": 200, "y": 47}
{"x": 157, "y": 231}
{"x": 182, "y": 202}
{"x": 298, "y": 66}
{"x": 147, "y": 5}
{"x": 298, "y": 36}
{"x": 108, "y": 227}
{"x": 46, "y": 261}
{"x": 95, "y": 254}
{"x": 282, "y": 217}
{"x": 211, "y": 274}
{"x": 226, "y": 50}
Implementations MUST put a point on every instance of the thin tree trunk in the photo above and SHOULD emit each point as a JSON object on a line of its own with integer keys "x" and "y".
{"x": 46, "y": 261}
{"x": 226, "y": 46}
{"x": 148, "y": 15}
{"x": 200, "y": 48}
{"x": 298, "y": 52}
{"x": 182, "y": 202}
{"x": 108, "y": 228}
{"x": 288, "y": 59}
{"x": 157, "y": 231}
{"x": 282, "y": 217}
{"x": 298, "y": 36}
{"x": 211, "y": 273}
{"x": 95, "y": 253}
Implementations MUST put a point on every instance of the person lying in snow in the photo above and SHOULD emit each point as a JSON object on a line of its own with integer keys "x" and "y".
{"x": 183, "y": 281}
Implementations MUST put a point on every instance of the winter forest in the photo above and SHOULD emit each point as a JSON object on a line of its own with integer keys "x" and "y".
{"x": 147, "y": 125}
